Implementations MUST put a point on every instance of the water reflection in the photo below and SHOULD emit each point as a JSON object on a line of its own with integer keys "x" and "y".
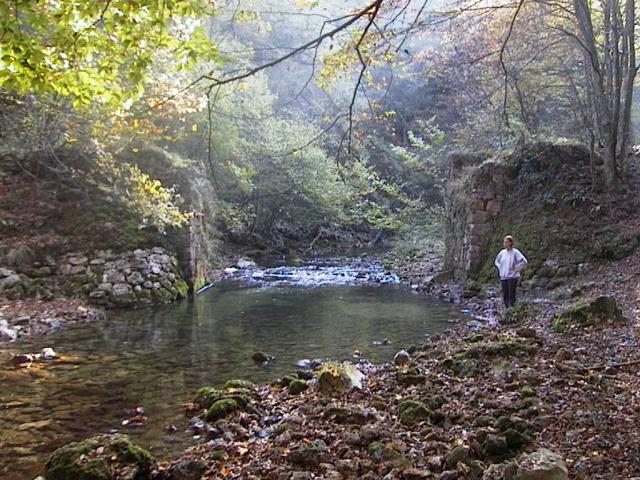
{"x": 157, "y": 358}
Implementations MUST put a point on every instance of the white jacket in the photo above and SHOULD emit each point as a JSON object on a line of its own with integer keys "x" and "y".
{"x": 510, "y": 263}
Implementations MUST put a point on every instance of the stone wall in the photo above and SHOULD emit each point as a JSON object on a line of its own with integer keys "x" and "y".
{"x": 133, "y": 278}
{"x": 526, "y": 193}
{"x": 474, "y": 198}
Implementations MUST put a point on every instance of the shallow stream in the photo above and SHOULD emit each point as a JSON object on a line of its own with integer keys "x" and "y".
{"x": 156, "y": 358}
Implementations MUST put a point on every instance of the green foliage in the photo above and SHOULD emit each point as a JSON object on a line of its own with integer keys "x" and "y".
{"x": 154, "y": 204}
{"x": 88, "y": 51}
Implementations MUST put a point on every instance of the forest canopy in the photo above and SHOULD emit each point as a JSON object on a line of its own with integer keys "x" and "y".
{"x": 303, "y": 115}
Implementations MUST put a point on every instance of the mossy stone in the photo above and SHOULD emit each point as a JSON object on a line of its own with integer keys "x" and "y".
{"x": 528, "y": 391}
{"x": 338, "y": 378}
{"x": 182, "y": 288}
{"x": 238, "y": 384}
{"x": 260, "y": 357}
{"x": 162, "y": 295}
{"x": 501, "y": 348}
{"x": 516, "y": 439}
{"x": 521, "y": 312}
{"x": 375, "y": 449}
{"x": 283, "y": 381}
{"x": 221, "y": 408}
{"x": 343, "y": 415}
{"x": 206, "y": 396}
{"x": 434, "y": 402}
{"x": 392, "y": 456}
{"x": 124, "y": 300}
{"x": 199, "y": 282}
{"x": 456, "y": 455}
{"x": 495, "y": 445}
{"x": 296, "y": 387}
{"x": 97, "y": 458}
{"x": 412, "y": 411}
{"x": 218, "y": 455}
{"x": 483, "y": 421}
{"x": 309, "y": 455}
{"x": 408, "y": 379}
{"x": 15, "y": 292}
{"x": 583, "y": 314}
{"x": 504, "y": 423}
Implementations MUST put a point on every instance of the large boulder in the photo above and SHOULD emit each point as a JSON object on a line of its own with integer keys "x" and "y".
{"x": 338, "y": 378}
{"x": 187, "y": 470}
{"x": 542, "y": 464}
{"x": 402, "y": 358}
{"x": 600, "y": 311}
{"x": 104, "y": 457}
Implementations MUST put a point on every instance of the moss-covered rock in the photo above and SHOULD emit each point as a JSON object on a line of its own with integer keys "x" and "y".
{"x": 410, "y": 380}
{"x": 343, "y": 415}
{"x": 520, "y": 312}
{"x": 182, "y": 288}
{"x": 260, "y": 357}
{"x": 412, "y": 411}
{"x": 199, "y": 282}
{"x": 15, "y": 292}
{"x": 528, "y": 391}
{"x": 309, "y": 455}
{"x": 99, "y": 458}
{"x": 338, "y": 378}
{"x": 465, "y": 368}
{"x": 238, "y": 384}
{"x": 504, "y": 423}
{"x": 600, "y": 311}
{"x": 410, "y": 377}
{"x": 434, "y": 402}
{"x": 461, "y": 367}
{"x": 206, "y": 396}
{"x": 221, "y": 408}
{"x": 501, "y": 348}
{"x": 296, "y": 387}
{"x": 283, "y": 381}
{"x": 495, "y": 445}
{"x": 472, "y": 289}
{"x": 459, "y": 454}
{"x": 394, "y": 458}
{"x": 516, "y": 439}
{"x": 161, "y": 295}
{"x": 187, "y": 469}
{"x": 542, "y": 464}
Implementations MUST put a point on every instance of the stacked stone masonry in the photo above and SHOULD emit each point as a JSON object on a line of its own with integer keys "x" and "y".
{"x": 138, "y": 277}
{"x": 479, "y": 195}
{"x": 474, "y": 200}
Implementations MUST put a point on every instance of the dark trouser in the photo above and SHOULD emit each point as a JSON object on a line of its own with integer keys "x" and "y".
{"x": 509, "y": 291}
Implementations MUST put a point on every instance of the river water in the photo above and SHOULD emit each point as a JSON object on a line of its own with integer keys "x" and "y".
{"x": 156, "y": 358}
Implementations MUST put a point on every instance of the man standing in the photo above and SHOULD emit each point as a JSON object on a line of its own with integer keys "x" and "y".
{"x": 509, "y": 262}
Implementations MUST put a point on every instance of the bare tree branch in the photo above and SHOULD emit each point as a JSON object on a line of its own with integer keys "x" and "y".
{"x": 504, "y": 67}
{"x": 374, "y": 6}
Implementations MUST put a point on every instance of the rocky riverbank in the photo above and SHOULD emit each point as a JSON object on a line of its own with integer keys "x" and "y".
{"x": 26, "y": 317}
{"x": 549, "y": 396}
{"x": 37, "y": 296}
